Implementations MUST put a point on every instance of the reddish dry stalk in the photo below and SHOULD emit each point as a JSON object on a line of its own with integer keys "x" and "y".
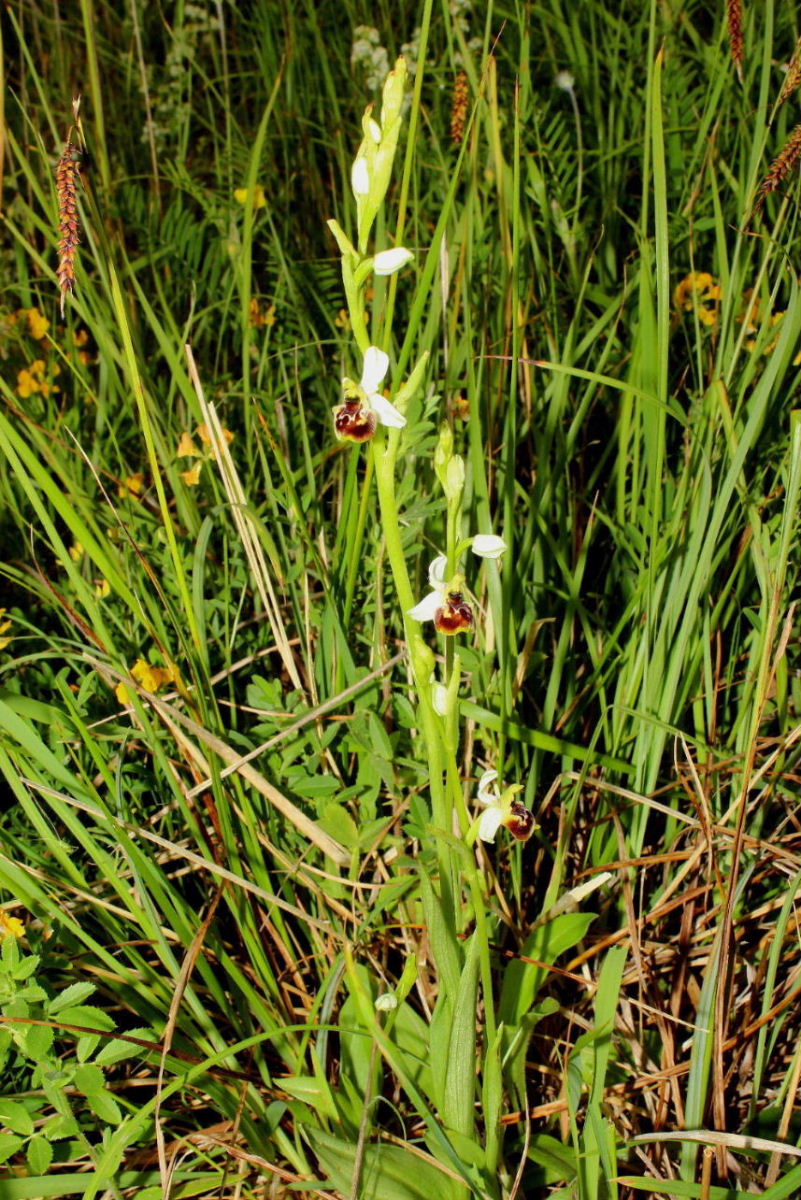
{"x": 67, "y": 173}
{"x": 793, "y": 76}
{"x": 734, "y": 12}
{"x": 461, "y": 95}
{"x": 781, "y": 166}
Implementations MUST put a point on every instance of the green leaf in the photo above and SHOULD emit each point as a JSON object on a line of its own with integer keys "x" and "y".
{"x": 104, "y": 1106}
{"x": 76, "y": 993}
{"x": 26, "y": 967}
{"x": 522, "y": 980}
{"x": 388, "y": 1172}
{"x": 314, "y": 1092}
{"x": 39, "y": 1042}
{"x": 118, "y": 1049}
{"x": 16, "y": 1116}
{"x": 9, "y": 1144}
{"x": 89, "y": 1079}
{"x": 87, "y": 1017}
{"x": 39, "y": 1155}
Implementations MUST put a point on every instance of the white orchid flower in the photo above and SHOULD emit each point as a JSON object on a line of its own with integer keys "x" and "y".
{"x": 488, "y": 545}
{"x": 364, "y": 407}
{"x": 489, "y": 798}
{"x": 426, "y": 609}
{"x": 376, "y": 365}
{"x": 502, "y": 808}
{"x": 387, "y": 262}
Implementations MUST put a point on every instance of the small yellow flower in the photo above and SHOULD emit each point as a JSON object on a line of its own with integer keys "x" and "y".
{"x": 5, "y": 625}
{"x": 80, "y": 338}
{"x": 131, "y": 486}
{"x": 186, "y": 447}
{"x": 37, "y": 324}
{"x": 192, "y": 477}
{"x": 699, "y": 291}
{"x": 151, "y": 678}
{"x": 259, "y": 199}
{"x": 10, "y": 926}
{"x": 26, "y": 384}
{"x": 76, "y": 552}
{"x": 102, "y": 589}
{"x": 258, "y": 317}
{"x": 205, "y": 436}
{"x": 34, "y": 379}
{"x": 342, "y": 320}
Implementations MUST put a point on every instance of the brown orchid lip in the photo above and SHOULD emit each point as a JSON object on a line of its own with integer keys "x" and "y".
{"x": 519, "y": 821}
{"x": 354, "y": 421}
{"x": 455, "y": 615}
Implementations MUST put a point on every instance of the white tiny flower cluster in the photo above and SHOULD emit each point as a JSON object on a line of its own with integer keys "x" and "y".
{"x": 368, "y": 54}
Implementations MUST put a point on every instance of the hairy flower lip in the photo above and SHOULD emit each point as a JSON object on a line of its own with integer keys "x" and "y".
{"x": 502, "y": 808}
{"x": 364, "y": 406}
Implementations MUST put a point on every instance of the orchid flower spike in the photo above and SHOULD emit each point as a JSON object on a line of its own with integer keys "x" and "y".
{"x": 444, "y": 604}
{"x": 357, "y": 418}
{"x": 502, "y": 808}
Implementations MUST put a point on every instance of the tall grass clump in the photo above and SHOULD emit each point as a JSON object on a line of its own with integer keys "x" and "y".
{"x": 399, "y": 718}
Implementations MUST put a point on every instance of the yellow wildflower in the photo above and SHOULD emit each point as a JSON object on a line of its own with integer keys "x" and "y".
{"x": 10, "y": 926}
{"x": 192, "y": 477}
{"x": 34, "y": 379}
{"x": 80, "y": 337}
{"x": 342, "y": 320}
{"x": 151, "y": 678}
{"x": 26, "y": 384}
{"x": 259, "y": 317}
{"x": 5, "y": 625}
{"x": 205, "y": 436}
{"x": 186, "y": 447}
{"x": 76, "y": 552}
{"x": 37, "y": 324}
{"x": 102, "y": 589}
{"x": 699, "y": 291}
{"x": 259, "y": 199}
{"x": 131, "y": 486}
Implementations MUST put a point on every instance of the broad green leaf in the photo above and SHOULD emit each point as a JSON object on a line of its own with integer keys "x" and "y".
{"x": 522, "y": 980}
{"x": 388, "y": 1172}
{"x": 16, "y": 1117}
{"x": 75, "y": 994}
{"x": 39, "y": 1155}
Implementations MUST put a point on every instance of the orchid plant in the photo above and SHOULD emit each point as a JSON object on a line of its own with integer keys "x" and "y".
{"x": 368, "y": 414}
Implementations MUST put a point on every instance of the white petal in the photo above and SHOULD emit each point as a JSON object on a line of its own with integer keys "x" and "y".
{"x": 436, "y": 572}
{"x": 490, "y": 823}
{"x": 439, "y": 698}
{"x": 488, "y": 545}
{"x": 387, "y": 413}
{"x": 485, "y": 794}
{"x": 360, "y": 177}
{"x": 387, "y": 262}
{"x": 376, "y": 365}
{"x": 375, "y": 130}
{"x": 424, "y": 611}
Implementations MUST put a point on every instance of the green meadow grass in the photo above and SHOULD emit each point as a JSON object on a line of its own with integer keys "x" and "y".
{"x": 251, "y": 944}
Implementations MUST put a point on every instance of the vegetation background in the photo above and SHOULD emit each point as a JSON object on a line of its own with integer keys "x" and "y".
{"x": 217, "y": 852}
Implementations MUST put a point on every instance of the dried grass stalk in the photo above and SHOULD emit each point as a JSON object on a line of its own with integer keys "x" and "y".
{"x": 734, "y": 12}
{"x": 461, "y": 95}
{"x": 781, "y": 166}
{"x": 67, "y": 171}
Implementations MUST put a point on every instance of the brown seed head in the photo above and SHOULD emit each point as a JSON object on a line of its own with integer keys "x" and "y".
{"x": 67, "y": 173}
{"x": 461, "y": 95}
